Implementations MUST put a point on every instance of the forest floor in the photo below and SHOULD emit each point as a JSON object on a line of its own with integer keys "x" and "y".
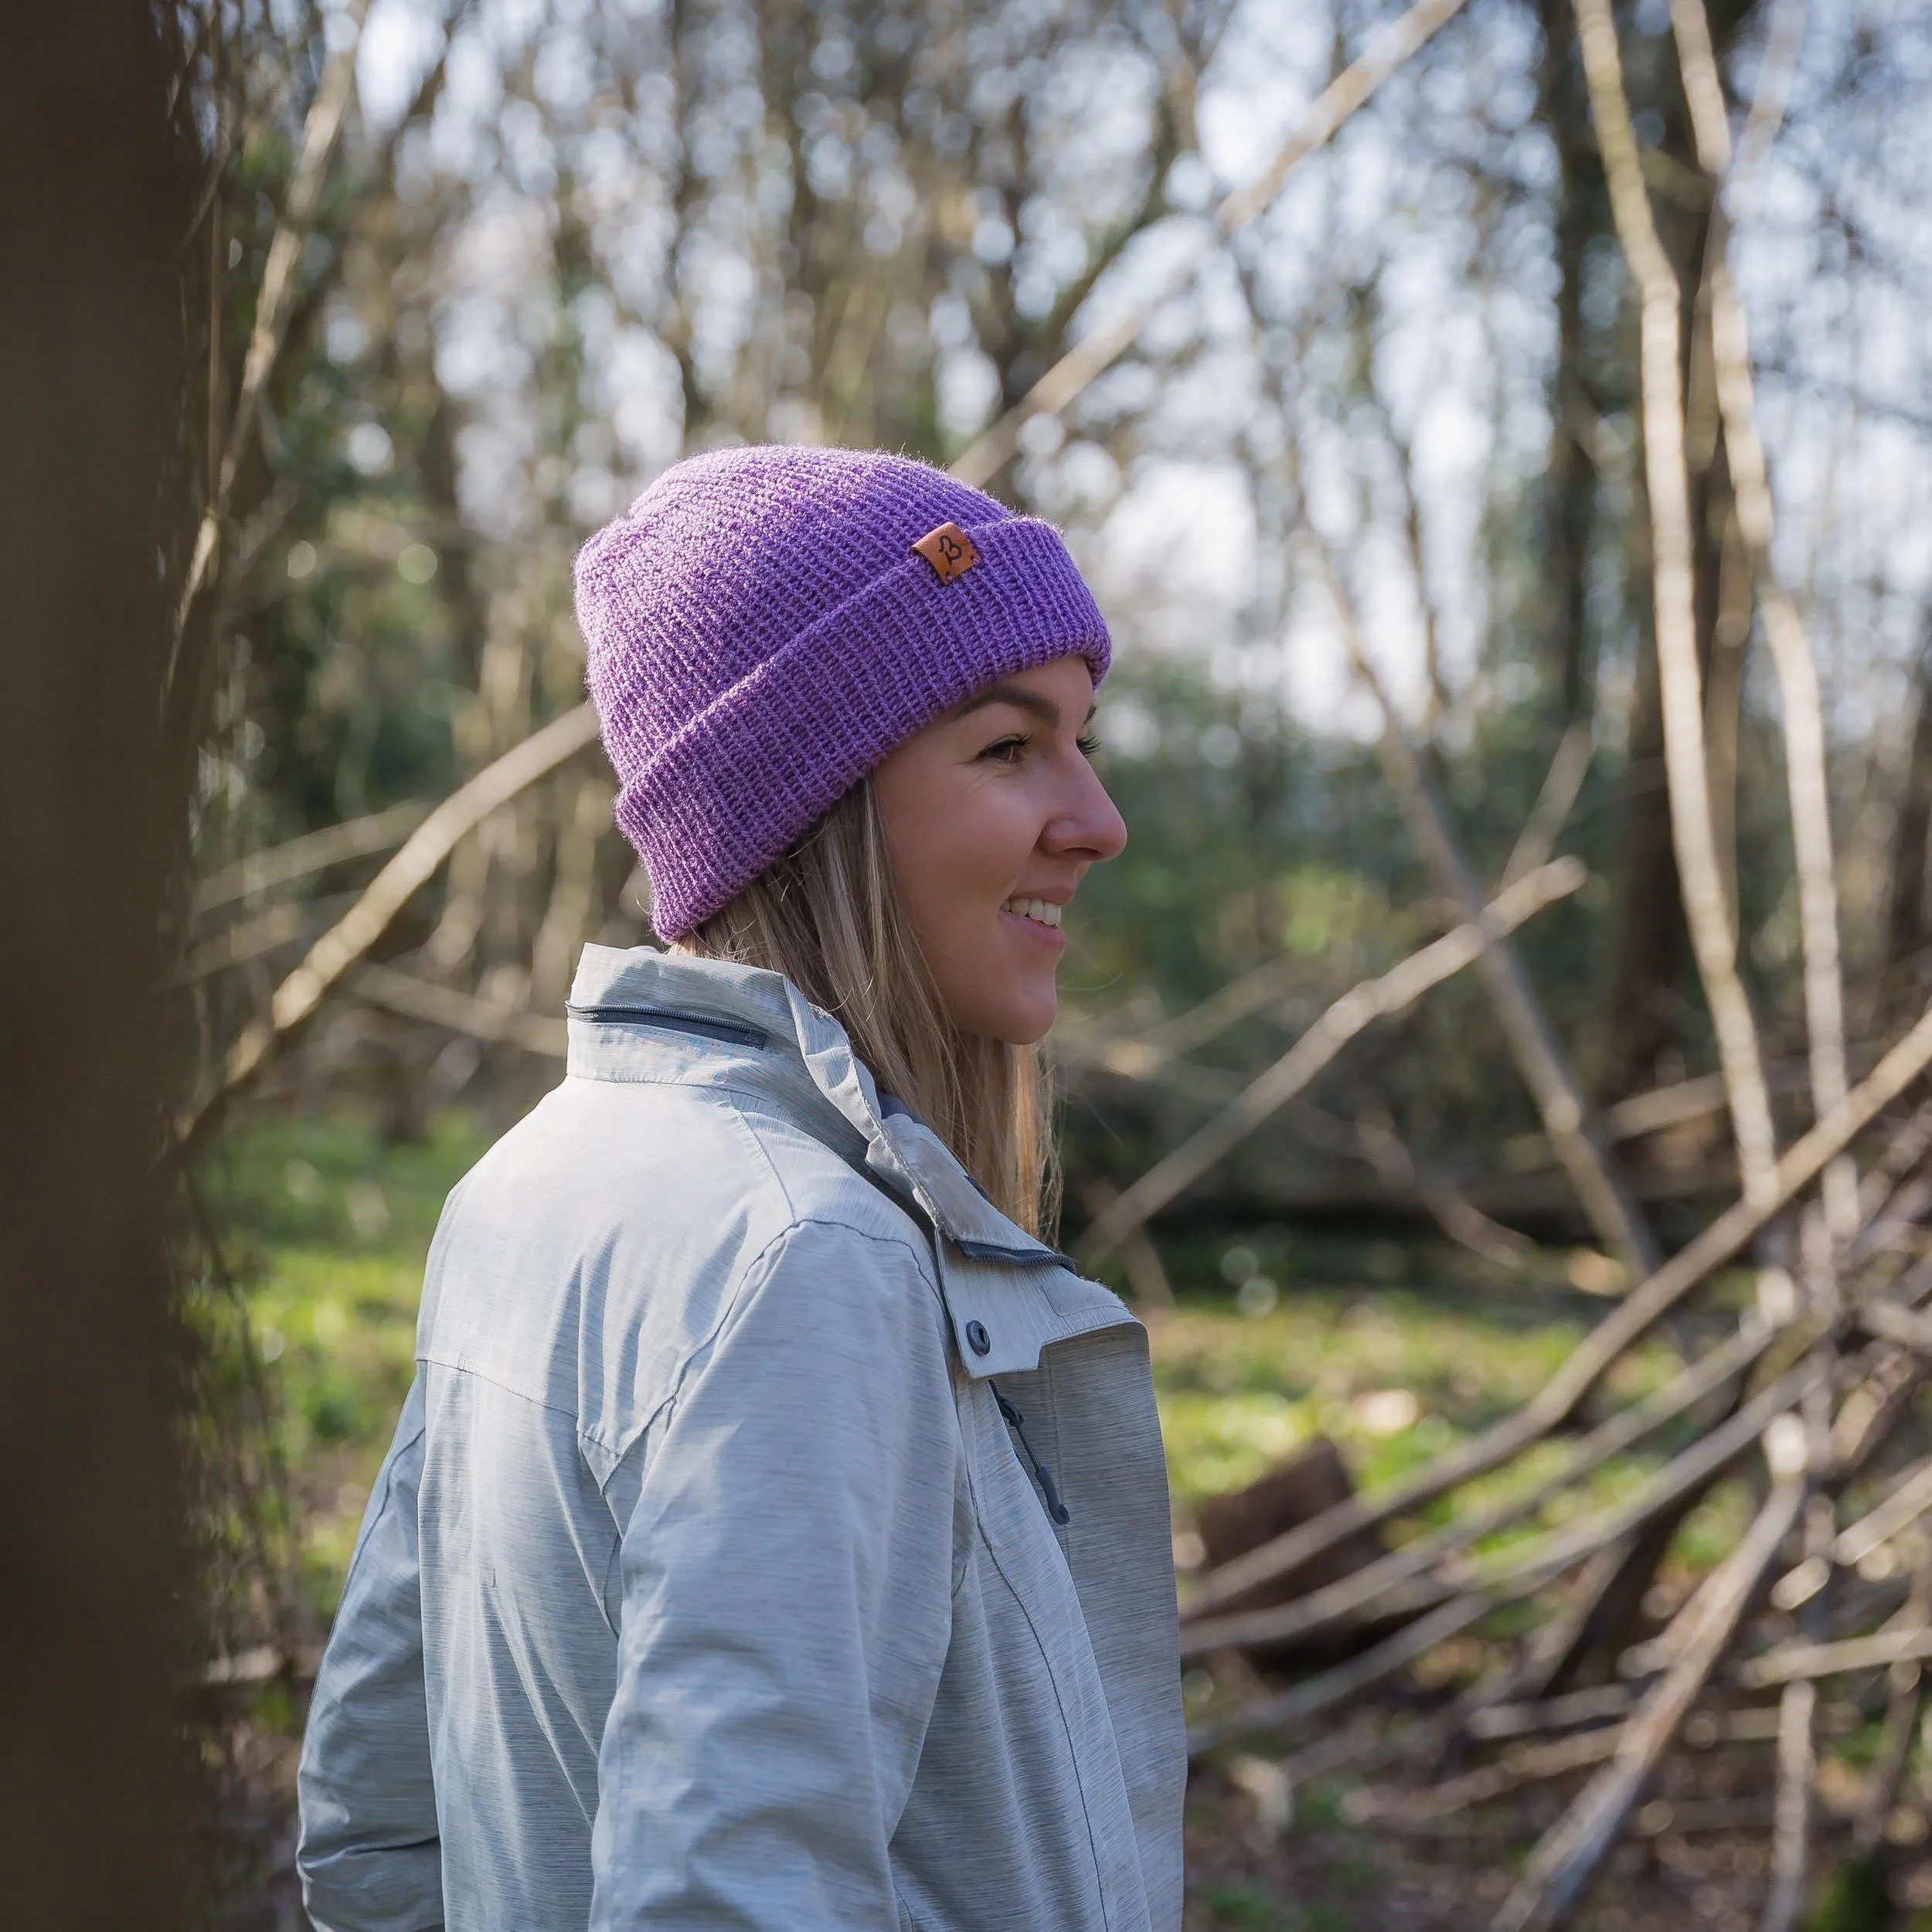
{"x": 1392, "y": 1350}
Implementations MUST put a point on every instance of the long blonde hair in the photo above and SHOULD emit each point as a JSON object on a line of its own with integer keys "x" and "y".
{"x": 827, "y": 916}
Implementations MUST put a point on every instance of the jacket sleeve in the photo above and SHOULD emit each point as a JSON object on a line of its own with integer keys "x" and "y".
{"x": 368, "y": 1854}
{"x": 787, "y": 1580}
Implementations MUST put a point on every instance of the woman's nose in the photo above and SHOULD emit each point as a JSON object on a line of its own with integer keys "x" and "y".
{"x": 1090, "y": 826}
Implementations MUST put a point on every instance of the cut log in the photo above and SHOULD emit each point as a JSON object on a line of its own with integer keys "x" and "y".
{"x": 1297, "y": 1491}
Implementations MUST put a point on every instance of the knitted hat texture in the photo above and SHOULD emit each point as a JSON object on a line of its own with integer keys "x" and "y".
{"x": 761, "y": 633}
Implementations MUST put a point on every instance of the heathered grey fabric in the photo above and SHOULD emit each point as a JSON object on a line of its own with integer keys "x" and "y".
{"x": 704, "y": 1586}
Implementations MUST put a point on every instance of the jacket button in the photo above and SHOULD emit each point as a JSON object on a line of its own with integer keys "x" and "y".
{"x": 981, "y": 1342}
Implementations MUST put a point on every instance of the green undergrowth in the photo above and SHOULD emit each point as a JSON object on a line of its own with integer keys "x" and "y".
{"x": 328, "y": 1225}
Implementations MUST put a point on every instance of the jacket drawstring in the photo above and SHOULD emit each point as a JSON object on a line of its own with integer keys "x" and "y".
{"x": 1054, "y": 1508}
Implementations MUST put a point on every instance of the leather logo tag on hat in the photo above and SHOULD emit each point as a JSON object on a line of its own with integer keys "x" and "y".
{"x": 949, "y": 550}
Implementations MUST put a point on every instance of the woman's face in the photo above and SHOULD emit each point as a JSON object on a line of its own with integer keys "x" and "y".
{"x": 993, "y": 814}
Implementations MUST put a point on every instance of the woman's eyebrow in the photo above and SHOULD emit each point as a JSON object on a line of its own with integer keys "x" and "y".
{"x": 1018, "y": 697}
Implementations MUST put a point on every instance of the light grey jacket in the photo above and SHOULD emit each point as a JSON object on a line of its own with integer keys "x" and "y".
{"x": 711, "y": 1580}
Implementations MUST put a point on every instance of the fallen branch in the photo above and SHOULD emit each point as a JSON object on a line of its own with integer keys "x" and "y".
{"x": 1524, "y": 1764}
{"x": 1793, "y": 1662}
{"x": 1569, "y": 1853}
{"x": 1521, "y": 1575}
{"x": 1356, "y": 1009}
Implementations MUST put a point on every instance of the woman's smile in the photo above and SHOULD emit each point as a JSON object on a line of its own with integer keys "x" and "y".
{"x": 1038, "y": 919}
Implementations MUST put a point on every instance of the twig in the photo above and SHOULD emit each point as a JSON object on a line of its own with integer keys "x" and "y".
{"x": 1780, "y": 63}
{"x": 1791, "y": 1815}
{"x": 1598, "y": 1705}
{"x": 1148, "y": 1287}
{"x": 1707, "y": 911}
{"x": 1644, "y": 1304}
{"x": 1569, "y": 1853}
{"x": 313, "y": 853}
{"x": 1137, "y": 1055}
{"x": 359, "y": 929}
{"x": 1337, "y": 1686}
{"x": 1357, "y": 1008}
{"x": 1523, "y": 1764}
{"x": 1574, "y": 1132}
{"x": 1906, "y": 1327}
{"x": 1096, "y": 352}
{"x": 1451, "y": 1209}
{"x": 1792, "y": 1662}
{"x": 460, "y": 1012}
{"x": 1555, "y": 802}
{"x": 1910, "y": 1501}
{"x": 1798, "y": 1720}
{"x": 320, "y": 133}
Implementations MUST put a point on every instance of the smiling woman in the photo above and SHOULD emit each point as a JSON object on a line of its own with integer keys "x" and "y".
{"x": 713, "y": 1577}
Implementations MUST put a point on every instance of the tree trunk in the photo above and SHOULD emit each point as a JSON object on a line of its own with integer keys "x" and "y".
{"x": 1646, "y": 996}
{"x": 1905, "y": 923}
{"x": 97, "y": 197}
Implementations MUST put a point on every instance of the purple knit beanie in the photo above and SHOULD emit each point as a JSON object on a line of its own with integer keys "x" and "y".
{"x": 765, "y": 625}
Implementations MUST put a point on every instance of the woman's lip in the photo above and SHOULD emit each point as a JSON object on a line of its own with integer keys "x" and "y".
{"x": 1047, "y": 935}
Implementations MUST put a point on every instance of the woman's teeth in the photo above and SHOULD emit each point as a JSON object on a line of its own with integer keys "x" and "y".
{"x": 1047, "y": 913}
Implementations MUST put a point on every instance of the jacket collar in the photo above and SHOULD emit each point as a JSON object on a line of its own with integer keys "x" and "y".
{"x": 642, "y": 1015}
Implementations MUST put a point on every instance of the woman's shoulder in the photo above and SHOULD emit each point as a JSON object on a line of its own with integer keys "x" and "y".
{"x": 625, "y": 1193}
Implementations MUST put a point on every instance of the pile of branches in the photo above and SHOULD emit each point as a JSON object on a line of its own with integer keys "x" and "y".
{"x": 1818, "y": 1380}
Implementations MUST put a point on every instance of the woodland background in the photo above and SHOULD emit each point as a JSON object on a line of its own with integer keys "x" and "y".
{"x": 1356, "y": 462}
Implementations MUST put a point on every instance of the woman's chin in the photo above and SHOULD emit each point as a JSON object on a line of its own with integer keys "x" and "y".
{"x": 1023, "y": 1019}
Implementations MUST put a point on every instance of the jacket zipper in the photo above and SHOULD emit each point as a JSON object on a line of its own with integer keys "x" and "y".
{"x": 1054, "y": 1508}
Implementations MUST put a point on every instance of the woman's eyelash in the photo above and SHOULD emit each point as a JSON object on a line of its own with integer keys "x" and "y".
{"x": 1087, "y": 744}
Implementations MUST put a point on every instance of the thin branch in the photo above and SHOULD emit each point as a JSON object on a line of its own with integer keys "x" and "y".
{"x": 359, "y": 929}
{"x": 1707, "y": 911}
{"x": 1097, "y": 352}
{"x": 1357, "y": 1008}
{"x": 1555, "y": 802}
{"x": 1774, "y": 75}
{"x": 1804, "y": 750}
{"x": 1574, "y": 1132}
{"x": 1791, "y": 1662}
{"x": 415, "y": 998}
{"x": 320, "y": 133}
{"x": 313, "y": 853}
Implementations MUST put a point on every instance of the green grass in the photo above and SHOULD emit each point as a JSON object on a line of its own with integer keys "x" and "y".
{"x": 329, "y": 1226}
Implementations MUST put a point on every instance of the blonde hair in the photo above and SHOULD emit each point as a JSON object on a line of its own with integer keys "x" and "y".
{"x": 826, "y": 915}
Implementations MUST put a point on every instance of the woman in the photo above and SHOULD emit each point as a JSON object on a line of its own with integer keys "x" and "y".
{"x": 776, "y": 1534}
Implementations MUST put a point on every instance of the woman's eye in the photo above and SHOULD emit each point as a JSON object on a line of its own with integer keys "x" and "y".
{"x": 1006, "y": 751}
{"x": 1088, "y": 743}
